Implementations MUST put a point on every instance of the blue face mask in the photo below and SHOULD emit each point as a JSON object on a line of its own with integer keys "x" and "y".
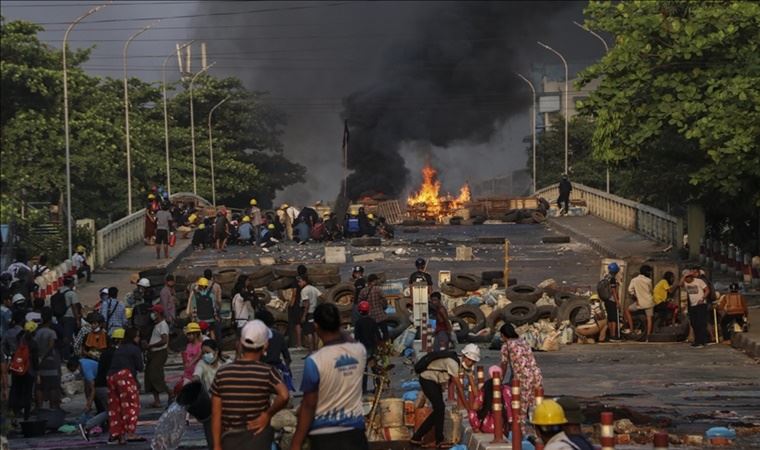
{"x": 209, "y": 358}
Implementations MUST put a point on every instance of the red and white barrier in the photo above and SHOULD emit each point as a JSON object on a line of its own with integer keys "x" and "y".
{"x": 661, "y": 440}
{"x": 516, "y": 430}
{"x": 607, "y": 438}
{"x": 496, "y": 410}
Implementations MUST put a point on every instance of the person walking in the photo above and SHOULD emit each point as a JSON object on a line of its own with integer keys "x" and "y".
{"x": 49, "y": 367}
{"x": 241, "y": 410}
{"x": 433, "y": 379}
{"x": 202, "y": 305}
{"x": 123, "y": 393}
{"x": 164, "y": 224}
{"x": 565, "y": 188}
{"x": 331, "y": 413}
{"x": 367, "y": 332}
{"x": 442, "y": 332}
{"x": 309, "y": 298}
{"x": 517, "y": 360}
{"x": 113, "y": 311}
{"x": 157, "y": 350}
{"x": 698, "y": 293}
{"x": 23, "y": 367}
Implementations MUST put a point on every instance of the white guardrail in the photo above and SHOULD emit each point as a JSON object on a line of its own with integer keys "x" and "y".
{"x": 643, "y": 219}
{"x": 118, "y": 236}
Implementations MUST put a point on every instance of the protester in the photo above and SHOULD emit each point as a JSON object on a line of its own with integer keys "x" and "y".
{"x": 24, "y": 367}
{"x": 8, "y": 344}
{"x": 79, "y": 262}
{"x": 246, "y": 233}
{"x": 367, "y": 332}
{"x": 442, "y": 332}
{"x": 640, "y": 290}
{"x": 200, "y": 237}
{"x": 96, "y": 339}
{"x": 572, "y": 428}
{"x": 309, "y": 298}
{"x": 168, "y": 300}
{"x": 663, "y": 306}
{"x": 192, "y": 353}
{"x": 277, "y": 353}
{"x": 123, "y": 393}
{"x": 733, "y": 309}
{"x": 157, "y": 350}
{"x": 482, "y": 419}
{"x": 201, "y": 306}
{"x": 331, "y": 413}
{"x": 549, "y": 419}
{"x": 564, "y": 195}
{"x": 698, "y": 291}
{"x": 88, "y": 368}
{"x": 164, "y": 224}
{"x": 6, "y": 313}
{"x": 517, "y": 361}
{"x": 267, "y": 237}
{"x": 41, "y": 267}
{"x": 597, "y": 324}
{"x": 68, "y": 311}
{"x": 373, "y": 295}
{"x": 221, "y": 230}
{"x": 49, "y": 368}
{"x": 101, "y": 386}
{"x": 240, "y": 395}
{"x": 113, "y": 311}
{"x": 357, "y": 277}
{"x": 608, "y": 291}
{"x": 212, "y": 359}
{"x": 291, "y": 213}
{"x": 243, "y": 297}
{"x": 420, "y": 275}
{"x": 433, "y": 379}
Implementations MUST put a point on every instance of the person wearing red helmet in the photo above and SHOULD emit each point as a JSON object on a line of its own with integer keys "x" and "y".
{"x": 368, "y": 333}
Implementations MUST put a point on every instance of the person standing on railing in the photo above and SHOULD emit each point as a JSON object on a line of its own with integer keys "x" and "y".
{"x": 564, "y": 194}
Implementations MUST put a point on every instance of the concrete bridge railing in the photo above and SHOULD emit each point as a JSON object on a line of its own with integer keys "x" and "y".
{"x": 128, "y": 231}
{"x": 643, "y": 219}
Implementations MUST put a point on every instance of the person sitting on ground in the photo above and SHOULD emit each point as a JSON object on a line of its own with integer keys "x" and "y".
{"x": 384, "y": 229}
{"x": 268, "y": 238}
{"x": 481, "y": 419}
{"x": 246, "y": 232}
{"x": 548, "y": 419}
{"x": 732, "y": 308}
{"x": 79, "y": 262}
{"x": 640, "y": 290}
{"x": 597, "y": 324}
{"x": 438, "y": 374}
{"x": 101, "y": 386}
{"x": 572, "y": 428}
{"x": 241, "y": 409}
{"x": 664, "y": 306}
{"x": 367, "y": 332}
{"x": 277, "y": 353}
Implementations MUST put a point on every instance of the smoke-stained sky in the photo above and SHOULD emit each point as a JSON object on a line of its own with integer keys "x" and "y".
{"x": 449, "y": 62}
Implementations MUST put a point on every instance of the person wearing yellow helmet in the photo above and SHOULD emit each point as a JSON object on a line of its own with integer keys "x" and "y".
{"x": 22, "y": 384}
{"x": 289, "y": 219}
{"x": 202, "y": 305}
{"x": 79, "y": 262}
{"x": 269, "y": 237}
{"x": 253, "y": 202}
{"x": 254, "y": 213}
{"x": 200, "y": 237}
{"x": 246, "y": 231}
{"x": 192, "y": 353}
{"x": 548, "y": 419}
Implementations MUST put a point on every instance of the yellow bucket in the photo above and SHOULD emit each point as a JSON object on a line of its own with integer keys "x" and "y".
{"x": 392, "y": 412}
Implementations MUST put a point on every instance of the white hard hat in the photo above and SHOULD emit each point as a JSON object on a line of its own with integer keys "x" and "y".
{"x": 471, "y": 351}
{"x": 144, "y": 282}
{"x": 18, "y": 298}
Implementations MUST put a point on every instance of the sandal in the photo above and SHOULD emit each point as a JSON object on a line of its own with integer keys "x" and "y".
{"x": 415, "y": 443}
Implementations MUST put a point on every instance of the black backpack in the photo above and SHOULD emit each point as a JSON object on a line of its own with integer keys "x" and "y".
{"x": 422, "y": 363}
{"x": 604, "y": 289}
{"x": 58, "y": 303}
{"x": 204, "y": 306}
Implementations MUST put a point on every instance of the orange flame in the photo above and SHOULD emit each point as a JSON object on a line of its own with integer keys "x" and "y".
{"x": 428, "y": 203}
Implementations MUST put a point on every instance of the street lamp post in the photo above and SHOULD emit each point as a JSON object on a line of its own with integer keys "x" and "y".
{"x": 566, "y": 81}
{"x": 126, "y": 114}
{"x": 192, "y": 124}
{"x": 166, "y": 119}
{"x": 532, "y": 126}
{"x": 606, "y": 50}
{"x": 211, "y": 149}
{"x": 66, "y": 119}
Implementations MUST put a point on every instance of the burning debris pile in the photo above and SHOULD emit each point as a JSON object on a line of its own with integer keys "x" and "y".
{"x": 429, "y": 204}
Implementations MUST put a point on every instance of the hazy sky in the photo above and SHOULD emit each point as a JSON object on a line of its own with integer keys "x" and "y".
{"x": 309, "y": 56}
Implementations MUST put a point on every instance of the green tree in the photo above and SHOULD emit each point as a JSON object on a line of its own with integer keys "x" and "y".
{"x": 681, "y": 90}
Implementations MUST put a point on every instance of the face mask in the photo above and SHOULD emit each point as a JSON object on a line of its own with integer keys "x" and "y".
{"x": 209, "y": 358}
{"x": 97, "y": 330}
{"x": 153, "y": 316}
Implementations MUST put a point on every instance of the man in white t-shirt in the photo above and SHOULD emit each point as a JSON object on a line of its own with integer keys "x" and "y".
{"x": 309, "y": 297}
{"x": 698, "y": 292}
{"x": 157, "y": 347}
{"x": 331, "y": 412}
{"x": 640, "y": 289}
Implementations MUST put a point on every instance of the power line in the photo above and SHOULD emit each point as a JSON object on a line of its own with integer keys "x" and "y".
{"x": 28, "y": 4}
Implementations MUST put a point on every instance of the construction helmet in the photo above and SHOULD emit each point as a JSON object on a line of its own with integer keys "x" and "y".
{"x": 253, "y": 202}
{"x": 151, "y": 196}
{"x": 30, "y": 326}
{"x": 144, "y": 282}
{"x": 202, "y": 281}
{"x": 246, "y": 219}
{"x": 472, "y": 352}
{"x": 270, "y": 226}
{"x": 594, "y": 297}
{"x": 117, "y": 333}
{"x": 370, "y": 216}
{"x": 613, "y": 268}
{"x": 284, "y": 206}
{"x": 191, "y": 218}
{"x": 202, "y": 226}
{"x": 548, "y": 413}
{"x": 192, "y": 327}
{"x": 80, "y": 249}
{"x": 128, "y": 312}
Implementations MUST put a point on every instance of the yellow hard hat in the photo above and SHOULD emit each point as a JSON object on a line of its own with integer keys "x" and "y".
{"x": 270, "y": 226}
{"x": 151, "y": 196}
{"x": 549, "y": 412}
{"x": 246, "y": 219}
{"x": 30, "y": 326}
{"x": 594, "y": 297}
{"x": 80, "y": 248}
{"x": 117, "y": 333}
{"x": 191, "y": 218}
{"x": 202, "y": 281}
{"x": 284, "y": 206}
{"x": 192, "y": 327}
{"x": 370, "y": 216}
{"x": 128, "y": 313}
{"x": 253, "y": 202}
{"x": 202, "y": 226}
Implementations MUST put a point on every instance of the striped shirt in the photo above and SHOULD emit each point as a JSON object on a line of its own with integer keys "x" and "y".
{"x": 245, "y": 388}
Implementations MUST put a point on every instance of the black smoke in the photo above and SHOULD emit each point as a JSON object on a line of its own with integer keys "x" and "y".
{"x": 451, "y": 80}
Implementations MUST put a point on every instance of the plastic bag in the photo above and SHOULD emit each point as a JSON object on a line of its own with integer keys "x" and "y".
{"x": 169, "y": 428}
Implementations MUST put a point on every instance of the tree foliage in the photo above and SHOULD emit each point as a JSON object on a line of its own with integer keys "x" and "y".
{"x": 248, "y": 152}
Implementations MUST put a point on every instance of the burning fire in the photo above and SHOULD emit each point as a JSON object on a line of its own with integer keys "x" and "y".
{"x": 428, "y": 203}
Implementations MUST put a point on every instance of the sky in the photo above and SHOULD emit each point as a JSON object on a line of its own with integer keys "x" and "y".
{"x": 310, "y": 56}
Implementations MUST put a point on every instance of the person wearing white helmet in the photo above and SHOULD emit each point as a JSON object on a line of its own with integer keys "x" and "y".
{"x": 436, "y": 370}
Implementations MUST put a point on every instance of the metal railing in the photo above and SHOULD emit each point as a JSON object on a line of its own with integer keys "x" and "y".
{"x": 643, "y": 219}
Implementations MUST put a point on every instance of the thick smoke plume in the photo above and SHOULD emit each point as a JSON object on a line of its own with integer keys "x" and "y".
{"x": 452, "y": 81}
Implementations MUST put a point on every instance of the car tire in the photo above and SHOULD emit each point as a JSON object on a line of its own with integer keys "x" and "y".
{"x": 466, "y": 281}
{"x": 289, "y": 272}
{"x": 452, "y": 291}
{"x": 327, "y": 281}
{"x": 262, "y": 281}
{"x": 500, "y": 282}
{"x": 523, "y": 293}
{"x": 576, "y": 311}
{"x": 464, "y": 328}
{"x": 495, "y": 320}
{"x": 538, "y": 217}
{"x": 341, "y": 294}
{"x": 547, "y": 312}
{"x": 519, "y": 312}
{"x": 471, "y": 314}
{"x": 319, "y": 270}
{"x": 282, "y": 283}
{"x": 397, "y": 324}
{"x": 366, "y": 242}
{"x": 560, "y": 298}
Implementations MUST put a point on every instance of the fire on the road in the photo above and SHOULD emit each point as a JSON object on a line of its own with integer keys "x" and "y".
{"x": 429, "y": 204}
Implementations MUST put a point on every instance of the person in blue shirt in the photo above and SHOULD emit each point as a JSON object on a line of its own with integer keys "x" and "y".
{"x": 89, "y": 369}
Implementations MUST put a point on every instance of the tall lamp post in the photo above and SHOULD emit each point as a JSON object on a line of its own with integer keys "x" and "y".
{"x": 126, "y": 114}
{"x": 211, "y": 149}
{"x": 192, "y": 124}
{"x": 166, "y": 118}
{"x": 66, "y": 118}
{"x": 532, "y": 126}
{"x": 566, "y": 80}
{"x": 606, "y": 50}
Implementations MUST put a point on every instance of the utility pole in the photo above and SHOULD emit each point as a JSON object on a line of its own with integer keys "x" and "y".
{"x": 166, "y": 118}
{"x": 211, "y": 149}
{"x": 192, "y": 123}
{"x": 532, "y": 126}
{"x": 566, "y": 84}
